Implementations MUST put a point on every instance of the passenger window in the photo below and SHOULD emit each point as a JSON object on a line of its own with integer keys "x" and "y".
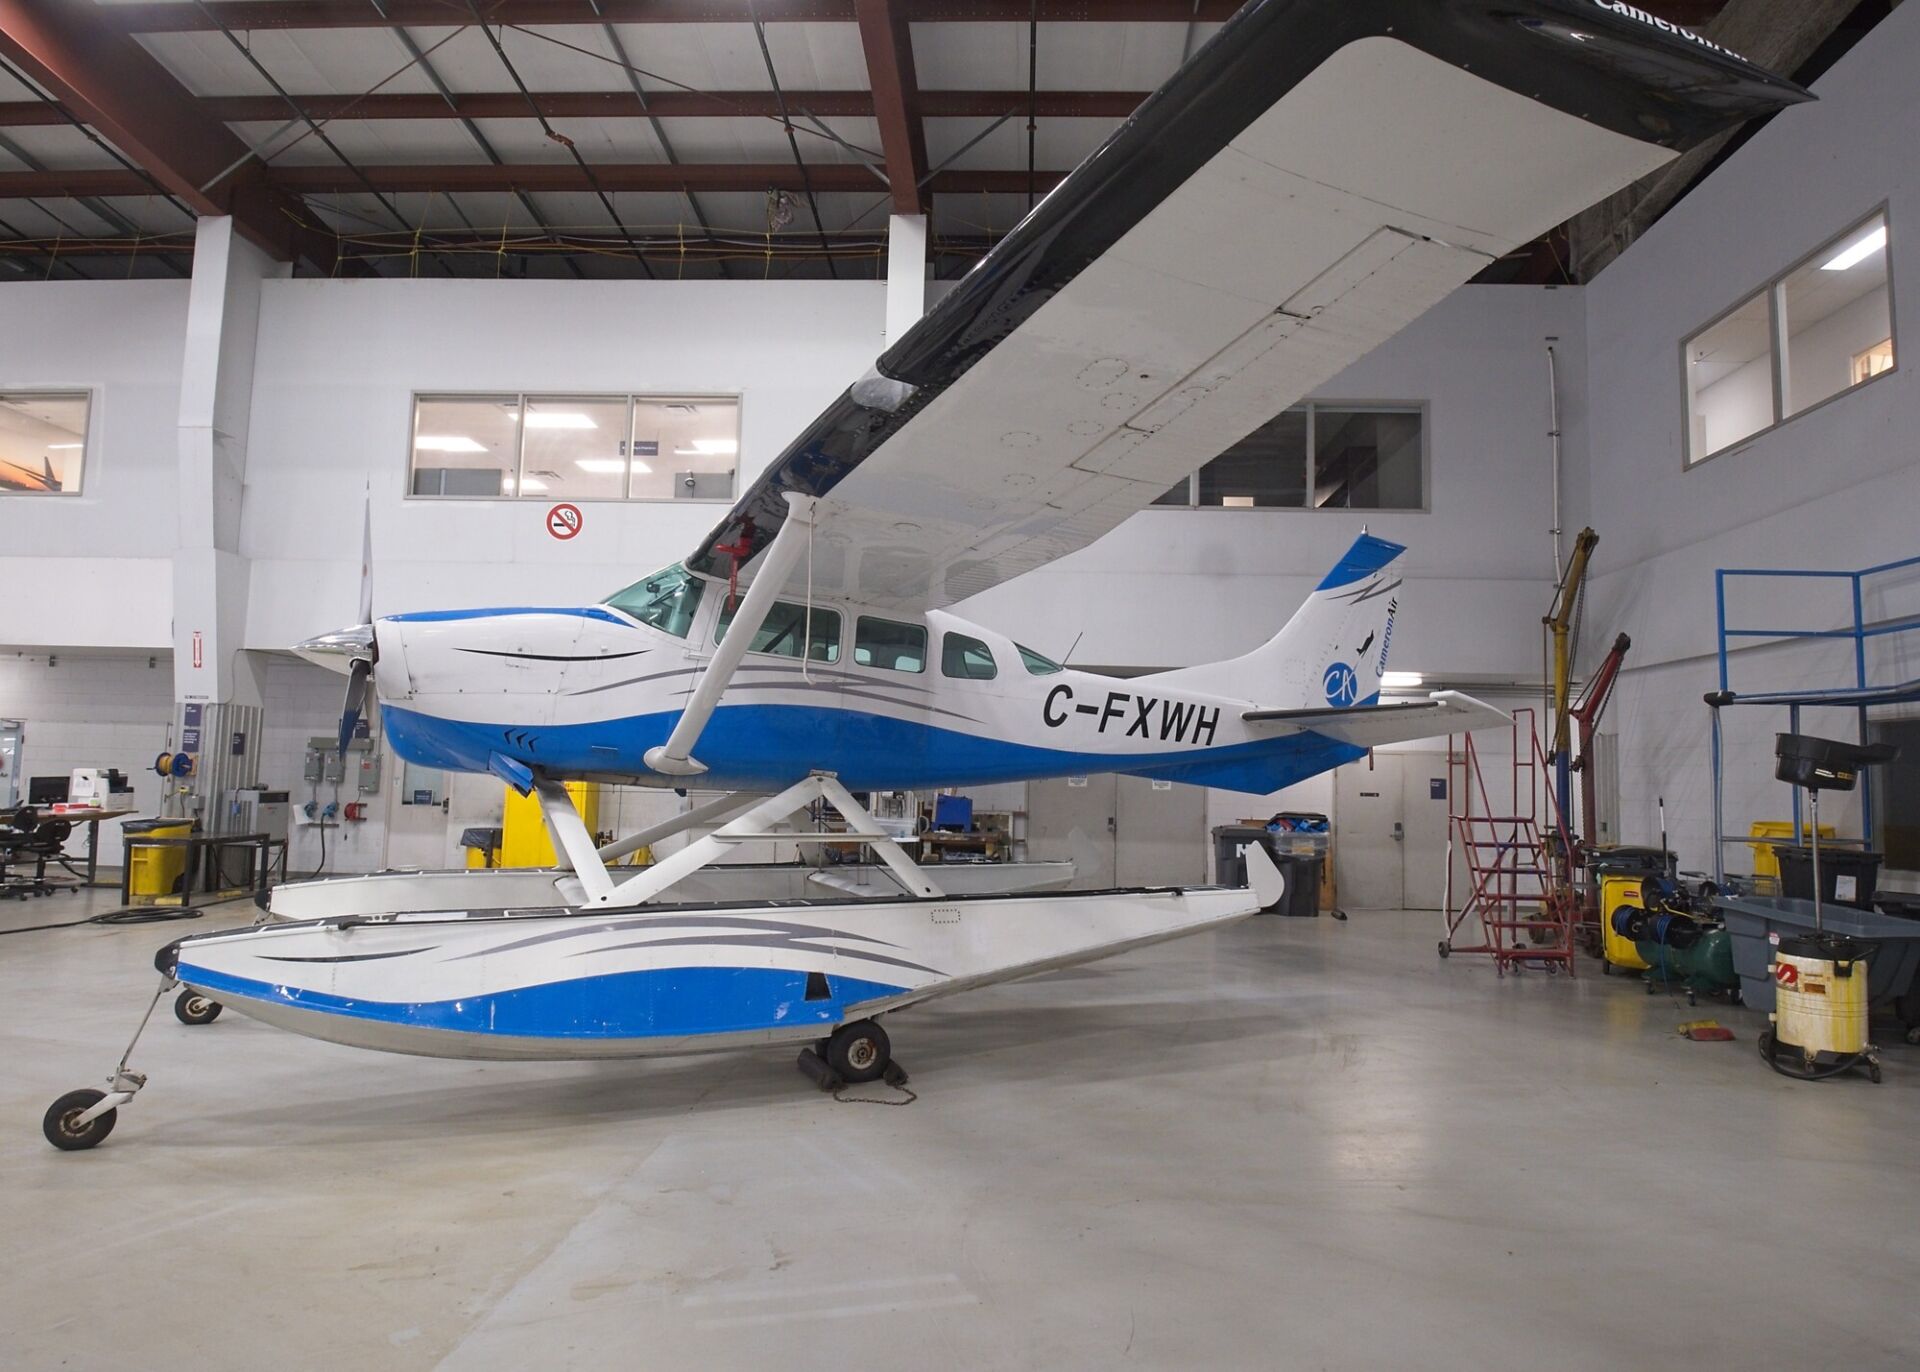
{"x": 895, "y": 647}
{"x": 785, "y": 626}
{"x": 666, "y": 601}
{"x": 1037, "y": 665}
{"x": 967, "y": 658}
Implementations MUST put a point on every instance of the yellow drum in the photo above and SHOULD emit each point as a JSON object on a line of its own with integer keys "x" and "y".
{"x": 1820, "y": 1008}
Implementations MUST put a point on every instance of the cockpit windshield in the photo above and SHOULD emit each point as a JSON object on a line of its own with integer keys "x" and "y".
{"x": 667, "y": 600}
{"x": 1037, "y": 665}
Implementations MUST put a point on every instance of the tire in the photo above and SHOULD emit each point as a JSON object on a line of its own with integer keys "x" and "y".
{"x": 190, "y": 1007}
{"x": 1445, "y": 950}
{"x": 68, "y": 1137}
{"x": 1606, "y": 968}
{"x": 859, "y": 1051}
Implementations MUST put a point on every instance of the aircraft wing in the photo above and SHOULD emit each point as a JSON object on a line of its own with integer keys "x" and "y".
{"x": 1369, "y": 726}
{"x": 1314, "y": 179}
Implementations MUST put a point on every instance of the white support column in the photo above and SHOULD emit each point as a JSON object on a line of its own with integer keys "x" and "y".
{"x": 906, "y": 273}
{"x": 216, "y": 395}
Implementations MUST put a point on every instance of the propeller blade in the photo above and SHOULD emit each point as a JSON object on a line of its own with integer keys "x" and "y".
{"x": 366, "y": 560}
{"x": 356, "y": 699}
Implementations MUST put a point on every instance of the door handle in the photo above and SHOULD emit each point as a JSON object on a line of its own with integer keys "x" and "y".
{"x": 1112, "y": 827}
{"x": 1399, "y": 832}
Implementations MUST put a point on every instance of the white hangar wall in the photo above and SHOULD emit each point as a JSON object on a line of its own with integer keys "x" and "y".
{"x": 1836, "y": 488}
{"x": 94, "y": 570}
{"x": 337, "y": 365}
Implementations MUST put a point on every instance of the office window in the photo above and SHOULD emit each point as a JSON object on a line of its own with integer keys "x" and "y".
{"x": 43, "y": 442}
{"x": 785, "y": 626}
{"x": 895, "y": 647}
{"x": 1265, "y": 470}
{"x": 1834, "y": 310}
{"x": 1811, "y": 334}
{"x": 967, "y": 659}
{"x": 1366, "y": 459}
{"x": 575, "y": 447}
{"x": 1319, "y": 457}
{"x": 1730, "y": 379}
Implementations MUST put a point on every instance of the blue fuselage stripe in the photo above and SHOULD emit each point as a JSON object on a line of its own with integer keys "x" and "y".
{"x": 748, "y": 747}
{"x": 670, "y": 1002}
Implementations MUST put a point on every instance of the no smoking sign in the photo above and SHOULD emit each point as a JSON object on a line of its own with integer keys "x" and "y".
{"x": 564, "y": 522}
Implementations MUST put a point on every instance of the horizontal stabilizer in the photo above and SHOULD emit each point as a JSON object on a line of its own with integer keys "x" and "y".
{"x": 1369, "y": 726}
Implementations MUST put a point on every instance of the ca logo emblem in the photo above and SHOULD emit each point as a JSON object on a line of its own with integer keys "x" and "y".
{"x": 1342, "y": 686}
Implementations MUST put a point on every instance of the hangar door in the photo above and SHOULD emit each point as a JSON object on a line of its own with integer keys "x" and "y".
{"x": 1119, "y": 831}
{"x": 1390, "y": 832}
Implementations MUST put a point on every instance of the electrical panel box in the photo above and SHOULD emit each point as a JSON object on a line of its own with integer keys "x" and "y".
{"x": 370, "y": 774}
{"x": 316, "y": 763}
{"x": 336, "y": 768}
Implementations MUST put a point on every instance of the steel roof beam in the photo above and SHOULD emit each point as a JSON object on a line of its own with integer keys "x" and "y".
{"x": 351, "y": 14}
{"x": 462, "y": 177}
{"x": 107, "y": 80}
{"x": 896, "y": 100}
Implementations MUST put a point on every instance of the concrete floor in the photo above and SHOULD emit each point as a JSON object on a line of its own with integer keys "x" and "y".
{"x": 1297, "y": 1144}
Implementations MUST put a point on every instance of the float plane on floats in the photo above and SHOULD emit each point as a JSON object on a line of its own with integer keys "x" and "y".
{"x": 1312, "y": 180}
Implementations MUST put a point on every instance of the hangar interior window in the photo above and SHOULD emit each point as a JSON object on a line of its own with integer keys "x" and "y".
{"x": 895, "y": 647}
{"x": 967, "y": 658}
{"x": 1319, "y": 457}
{"x": 667, "y": 600}
{"x": 43, "y": 442}
{"x": 575, "y": 447}
{"x": 1814, "y": 333}
{"x": 785, "y": 626}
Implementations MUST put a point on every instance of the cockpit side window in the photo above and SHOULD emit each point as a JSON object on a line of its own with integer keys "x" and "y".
{"x": 1037, "y": 665}
{"x": 967, "y": 659}
{"x": 785, "y": 626}
{"x": 666, "y": 601}
{"x": 895, "y": 647}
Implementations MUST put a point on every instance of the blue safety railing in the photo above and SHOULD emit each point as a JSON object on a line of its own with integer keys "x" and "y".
{"x": 1860, "y": 696}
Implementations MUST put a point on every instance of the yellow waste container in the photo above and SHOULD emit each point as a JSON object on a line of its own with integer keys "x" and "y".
{"x": 1767, "y": 832}
{"x": 1619, "y": 890}
{"x": 153, "y": 873}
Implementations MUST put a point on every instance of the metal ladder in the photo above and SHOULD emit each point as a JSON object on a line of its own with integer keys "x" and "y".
{"x": 1524, "y": 915}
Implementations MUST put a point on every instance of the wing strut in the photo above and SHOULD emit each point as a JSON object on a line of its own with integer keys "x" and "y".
{"x": 675, "y": 756}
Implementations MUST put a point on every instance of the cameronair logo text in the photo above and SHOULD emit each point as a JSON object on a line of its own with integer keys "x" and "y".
{"x": 1386, "y": 639}
{"x": 1664, "y": 25}
{"x": 1164, "y": 721}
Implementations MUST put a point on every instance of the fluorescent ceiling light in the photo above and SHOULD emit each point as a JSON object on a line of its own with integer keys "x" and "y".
{"x": 528, "y": 484}
{"x": 710, "y": 447}
{"x": 1393, "y": 680}
{"x": 601, "y": 466}
{"x": 1237, "y": 502}
{"x": 447, "y": 443}
{"x": 559, "y": 419}
{"x": 56, "y": 447}
{"x": 1859, "y": 252}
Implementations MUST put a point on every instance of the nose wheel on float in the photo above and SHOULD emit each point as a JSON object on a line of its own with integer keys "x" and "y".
{"x": 82, "y": 1119}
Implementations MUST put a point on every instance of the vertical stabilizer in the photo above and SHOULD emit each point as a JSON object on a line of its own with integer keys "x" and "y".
{"x": 1333, "y": 651}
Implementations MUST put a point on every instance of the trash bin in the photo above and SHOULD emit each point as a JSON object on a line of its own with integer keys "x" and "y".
{"x": 153, "y": 872}
{"x": 1848, "y": 876}
{"x": 482, "y": 845}
{"x": 1302, "y": 899}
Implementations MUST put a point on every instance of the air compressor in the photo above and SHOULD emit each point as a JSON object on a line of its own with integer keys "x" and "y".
{"x": 1682, "y": 943}
{"x": 1820, "y": 980}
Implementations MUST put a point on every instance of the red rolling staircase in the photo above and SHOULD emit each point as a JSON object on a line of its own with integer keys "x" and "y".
{"x": 1516, "y": 894}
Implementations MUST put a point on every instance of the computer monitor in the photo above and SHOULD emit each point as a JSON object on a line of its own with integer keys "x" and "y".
{"x": 46, "y": 790}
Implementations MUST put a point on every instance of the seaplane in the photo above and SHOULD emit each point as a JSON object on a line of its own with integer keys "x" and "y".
{"x": 1312, "y": 180}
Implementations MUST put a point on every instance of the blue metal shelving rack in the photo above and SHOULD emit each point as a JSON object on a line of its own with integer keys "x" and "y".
{"x": 1861, "y": 696}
